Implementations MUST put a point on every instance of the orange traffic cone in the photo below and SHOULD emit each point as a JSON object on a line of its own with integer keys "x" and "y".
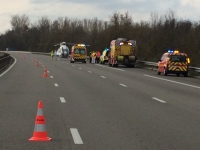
{"x": 45, "y": 73}
{"x": 40, "y": 133}
{"x": 37, "y": 64}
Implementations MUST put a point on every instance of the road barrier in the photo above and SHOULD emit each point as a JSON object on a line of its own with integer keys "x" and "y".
{"x": 5, "y": 59}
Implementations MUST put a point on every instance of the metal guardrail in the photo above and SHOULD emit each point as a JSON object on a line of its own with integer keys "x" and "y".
{"x": 155, "y": 64}
{"x": 4, "y": 60}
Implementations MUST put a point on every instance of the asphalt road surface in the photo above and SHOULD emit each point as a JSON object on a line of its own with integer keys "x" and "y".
{"x": 96, "y": 107}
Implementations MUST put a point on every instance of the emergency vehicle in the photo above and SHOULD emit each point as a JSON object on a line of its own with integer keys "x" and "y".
{"x": 63, "y": 50}
{"x": 122, "y": 51}
{"x": 104, "y": 56}
{"x": 173, "y": 62}
{"x": 78, "y": 53}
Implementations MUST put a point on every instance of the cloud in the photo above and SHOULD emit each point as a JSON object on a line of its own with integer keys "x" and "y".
{"x": 102, "y": 9}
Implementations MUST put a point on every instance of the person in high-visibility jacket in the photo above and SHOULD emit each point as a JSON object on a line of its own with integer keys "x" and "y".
{"x": 93, "y": 58}
{"x": 52, "y": 54}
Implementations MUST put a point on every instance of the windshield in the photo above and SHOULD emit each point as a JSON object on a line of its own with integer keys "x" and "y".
{"x": 178, "y": 58}
{"x": 80, "y": 51}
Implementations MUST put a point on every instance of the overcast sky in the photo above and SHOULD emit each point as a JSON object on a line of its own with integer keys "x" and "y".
{"x": 102, "y": 9}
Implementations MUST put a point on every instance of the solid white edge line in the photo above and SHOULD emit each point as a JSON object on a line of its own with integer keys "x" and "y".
{"x": 56, "y": 84}
{"x": 76, "y": 136}
{"x": 173, "y": 81}
{"x": 159, "y": 100}
{"x": 9, "y": 67}
{"x": 110, "y": 67}
{"x": 62, "y": 99}
{"x": 123, "y": 85}
{"x": 51, "y": 76}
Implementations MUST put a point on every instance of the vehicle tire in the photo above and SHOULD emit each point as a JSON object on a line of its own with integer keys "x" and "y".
{"x": 165, "y": 71}
{"x": 178, "y": 74}
{"x": 185, "y": 74}
{"x": 132, "y": 66}
{"x": 158, "y": 73}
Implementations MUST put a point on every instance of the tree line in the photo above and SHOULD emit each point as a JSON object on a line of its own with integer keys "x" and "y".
{"x": 153, "y": 38}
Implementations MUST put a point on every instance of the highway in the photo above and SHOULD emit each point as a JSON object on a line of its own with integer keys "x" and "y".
{"x": 96, "y": 107}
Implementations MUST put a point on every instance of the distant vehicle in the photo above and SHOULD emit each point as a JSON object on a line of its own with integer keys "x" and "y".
{"x": 173, "y": 62}
{"x": 122, "y": 52}
{"x": 78, "y": 53}
{"x": 63, "y": 50}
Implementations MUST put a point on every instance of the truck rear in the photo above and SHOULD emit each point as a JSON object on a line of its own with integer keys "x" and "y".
{"x": 78, "y": 53}
{"x": 122, "y": 52}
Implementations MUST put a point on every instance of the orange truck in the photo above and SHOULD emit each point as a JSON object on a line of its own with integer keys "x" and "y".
{"x": 122, "y": 52}
{"x": 173, "y": 62}
{"x": 78, "y": 53}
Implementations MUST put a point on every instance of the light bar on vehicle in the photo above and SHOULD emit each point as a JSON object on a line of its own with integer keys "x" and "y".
{"x": 130, "y": 44}
{"x": 176, "y": 51}
{"x": 170, "y": 51}
{"x": 121, "y": 43}
{"x": 81, "y": 44}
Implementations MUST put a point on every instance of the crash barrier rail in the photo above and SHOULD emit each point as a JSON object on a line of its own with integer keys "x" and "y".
{"x": 153, "y": 65}
{"x": 4, "y": 59}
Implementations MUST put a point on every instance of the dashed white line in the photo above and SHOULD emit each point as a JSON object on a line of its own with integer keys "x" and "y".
{"x": 123, "y": 85}
{"x": 159, "y": 100}
{"x": 56, "y": 84}
{"x": 173, "y": 81}
{"x": 110, "y": 67}
{"x": 51, "y": 76}
{"x": 80, "y": 68}
{"x": 103, "y": 77}
{"x": 48, "y": 71}
{"x": 89, "y": 71}
{"x": 62, "y": 99}
{"x": 76, "y": 136}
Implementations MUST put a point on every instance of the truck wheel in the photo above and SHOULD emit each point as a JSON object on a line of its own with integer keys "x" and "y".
{"x": 178, "y": 74}
{"x": 185, "y": 74}
{"x": 158, "y": 73}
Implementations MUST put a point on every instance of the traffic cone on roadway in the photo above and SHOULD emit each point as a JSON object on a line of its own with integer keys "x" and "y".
{"x": 45, "y": 72}
{"x": 37, "y": 64}
{"x": 40, "y": 133}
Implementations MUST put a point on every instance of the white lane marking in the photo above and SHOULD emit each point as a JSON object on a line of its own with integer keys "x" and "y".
{"x": 123, "y": 85}
{"x": 72, "y": 65}
{"x": 80, "y": 68}
{"x": 62, "y": 99}
{"x": 103, "y": 77}
{"x": 76, "y": 136}
{"x": 173, "y": 81}
{"x": 51, "y": 76}
{"x": 89, "y": 71}
{"x": 110, "y": 67}
{"x": 56, "y": 84}
{"x": 159, "y": 100}
{"x": 48, "y": 71}
{"x": 9, "y": 67}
